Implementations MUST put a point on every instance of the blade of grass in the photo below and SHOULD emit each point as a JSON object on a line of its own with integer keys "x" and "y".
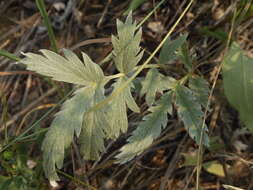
{"x": 9, "y": 55}
{"x": 149, "y": 14}
{"x": 3, "y": 102}
{"x": 22, "y": 135}
{"x": 41, "y": 6}
{"x": 122, "y": 88}
{"x": 134, "y": 5}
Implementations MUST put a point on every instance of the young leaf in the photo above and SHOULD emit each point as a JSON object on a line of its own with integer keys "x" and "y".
{"x": 189, "y": 110}
{"x": 69, "y": 69}
{"x": 118, "y": 113}
{"x": 168, "y": 51}
{"x": 126, "y": 48}
{"x": 200, "y": 88}
{"x": 185, "y": 57}
{"x": 238, "y": 86}
{"x": 67, "y": 122}
{"x": 153, "y": 83}
{"x": 149, "y": 129}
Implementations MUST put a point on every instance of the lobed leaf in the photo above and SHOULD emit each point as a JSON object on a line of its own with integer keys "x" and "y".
{"x": 238, "y": 83}
{"x": 95, "y": 126}
{"x": 60, "y": 135}
{"x": 67, "y": 69}
{"x": 168, "y": 51}
{"x": 119, "y": 105}
{"x": 185, "y": 57}
{"x": 189, "y": 110}
{"x": 200, "y": 88}
{"x": 126, "y": 47}
{"x": 148, "y": 130}
{"x": 73, "y": 119}
{"x": 153, "y": 83}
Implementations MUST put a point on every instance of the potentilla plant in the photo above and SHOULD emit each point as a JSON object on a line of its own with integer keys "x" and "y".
{"x": 94, "y": 117}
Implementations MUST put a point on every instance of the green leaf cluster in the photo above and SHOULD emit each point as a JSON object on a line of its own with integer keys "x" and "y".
{"x": 162, "y": 94}
{"x": 189, "y": 102}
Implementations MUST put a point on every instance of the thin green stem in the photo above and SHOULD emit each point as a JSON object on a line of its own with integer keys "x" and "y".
{"x": 42, "y": 8}
{"x": 33, "y": 134}
{"x": 9, "y": 55}
{"x": 150, "y": 66}
{"x": 201, "y": 148}
{"x": 183, "y": 80}
{"x": 136, "y": 68}
{"x": 123, "y": 86}
{"x": 149, "y": 14}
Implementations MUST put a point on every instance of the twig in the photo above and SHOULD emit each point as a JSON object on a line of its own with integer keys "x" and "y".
{"x": 172, "y": 164}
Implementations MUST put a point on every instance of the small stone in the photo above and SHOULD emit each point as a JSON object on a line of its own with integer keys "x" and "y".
{"x": 156, "y": 27}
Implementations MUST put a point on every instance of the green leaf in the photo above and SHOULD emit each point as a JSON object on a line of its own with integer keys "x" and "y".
{"x": 153, "y": 83}
{"x": 218, "y": 33}
{"x": 96, "y": 125}
{"x": 168, "y": 51}
{"x": 118, "y": 113}
{"x": 200, "y": 88}
{"x": 9, "y": 184}
{"x": 184, "y": 56}
{"x": 189, "y": 110}
{"x": 190, "y": 159}
{"x": 126, "y": 47}
{"x": 238, "y": 83}
{"x": 214, "y": 167}
{"x": 69, "y": 69}
{"x": 60, "y": 135}
{"x": 149, "y": 129}
{"x": 72, "y": 118}
{"x": 134, "y": 5}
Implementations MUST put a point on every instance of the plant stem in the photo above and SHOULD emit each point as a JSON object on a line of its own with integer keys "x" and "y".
{"x": 115, "y": 76}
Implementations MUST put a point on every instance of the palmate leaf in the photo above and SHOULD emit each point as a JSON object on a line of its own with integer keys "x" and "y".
{"x": 69, "y": 69}
{"x": 238, "y": 83}
{"x": 153, "y": 83}
{"x": 189, "y": 110}
{"x": 126, "y": 47}
{"x": 119, "y": 105}
{"x": 200, "y": 88}
{"x": 148, "y": 130}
